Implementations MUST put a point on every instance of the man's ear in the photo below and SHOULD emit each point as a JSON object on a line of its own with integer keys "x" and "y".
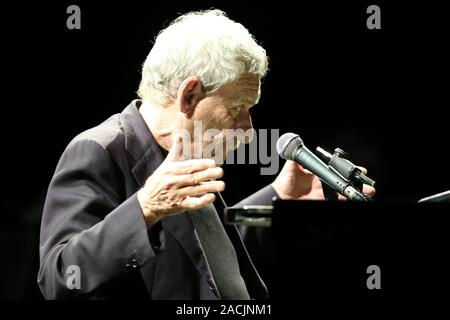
{"x": 189, "y": 94}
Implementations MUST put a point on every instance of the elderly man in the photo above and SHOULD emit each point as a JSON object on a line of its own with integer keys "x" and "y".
{"x": 130, "y": 209}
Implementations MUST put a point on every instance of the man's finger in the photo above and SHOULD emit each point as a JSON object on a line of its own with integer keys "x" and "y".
{"x": 368, "y": 190}
{"x": 197, "y": 177}
{"x": 201, "y": 189}
{"x": 192, "y": 165}
{"x": 307, "y": 172}
{"x": 176, "y": 150}
{"x": 341, "y": 197}
{"x": 302, "y": 170}
{"x": 364, "y": 170}
{"x": 295, "y": 167}
{"x": 191, "y": 203}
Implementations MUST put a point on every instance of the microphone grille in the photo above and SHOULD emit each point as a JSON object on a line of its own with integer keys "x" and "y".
{"x": 287, "y": 143}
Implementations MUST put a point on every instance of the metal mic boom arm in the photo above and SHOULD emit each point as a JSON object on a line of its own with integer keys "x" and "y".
{"x": 347, "y": 169}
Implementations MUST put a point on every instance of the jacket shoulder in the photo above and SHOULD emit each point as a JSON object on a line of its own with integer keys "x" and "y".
{"x": 105, "y": 134}
{"x": 102, "y": 146}
{"x": 108, "y": 135}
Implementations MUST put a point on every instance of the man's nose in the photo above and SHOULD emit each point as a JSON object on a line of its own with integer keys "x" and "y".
{"x": 244, "y": 122}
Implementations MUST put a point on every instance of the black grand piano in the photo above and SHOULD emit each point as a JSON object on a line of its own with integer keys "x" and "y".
{"x": 342, "y": 249}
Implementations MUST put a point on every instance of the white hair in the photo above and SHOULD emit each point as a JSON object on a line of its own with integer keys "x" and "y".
{"x": 206, "y": 44}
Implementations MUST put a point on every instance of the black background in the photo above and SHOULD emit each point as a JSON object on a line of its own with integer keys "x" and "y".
{"x": 381, "y": 95}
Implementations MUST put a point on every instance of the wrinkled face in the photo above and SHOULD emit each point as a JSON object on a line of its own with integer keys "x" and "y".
{"x": 222, "y": 120}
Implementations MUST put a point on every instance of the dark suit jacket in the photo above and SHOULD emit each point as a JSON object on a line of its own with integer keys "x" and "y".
{"x": 92, "y": 219}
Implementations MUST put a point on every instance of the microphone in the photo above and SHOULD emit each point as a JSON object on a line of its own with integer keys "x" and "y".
{"x": 290, "y": 147}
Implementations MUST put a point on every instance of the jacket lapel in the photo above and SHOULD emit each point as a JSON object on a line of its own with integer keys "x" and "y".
{"x": 145, "y": 157}
{"x": 182, "y": 229}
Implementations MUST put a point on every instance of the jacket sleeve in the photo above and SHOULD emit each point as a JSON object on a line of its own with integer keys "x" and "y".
{"x": 262, "y": 197}
{"x": 89, "y": 231}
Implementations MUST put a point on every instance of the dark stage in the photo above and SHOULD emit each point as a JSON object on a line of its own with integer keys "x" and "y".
{"x": 381, "y": 95}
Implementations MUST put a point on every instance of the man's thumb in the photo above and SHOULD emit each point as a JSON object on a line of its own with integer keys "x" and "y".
{"x": 176, "y": 150}
{"x": 302, "y": 170}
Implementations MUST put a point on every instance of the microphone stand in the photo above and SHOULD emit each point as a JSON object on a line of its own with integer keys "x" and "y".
{"x": 339, "y": 163}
